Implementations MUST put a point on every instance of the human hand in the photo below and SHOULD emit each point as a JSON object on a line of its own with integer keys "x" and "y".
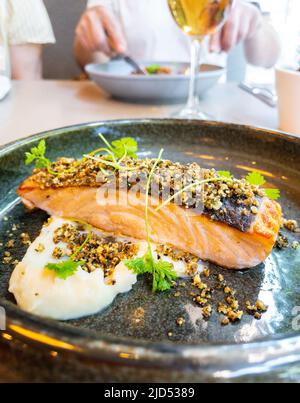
{"x": 99, "y": 31}
{"x": 242, "y": 24}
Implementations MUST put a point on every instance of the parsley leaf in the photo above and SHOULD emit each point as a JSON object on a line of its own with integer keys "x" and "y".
{"x": 65, "y": 269}
{"x": 273, "y": 194}
{"x": 256, "y": 179}
{"x": 163, "y": 276}
{"x": 118, "y": 149}
{"x": 126, "y": 146}
{"x": 163, "y": 273}
{"x": 138, "y": 266}
{"x": 225, "y": 174}
{"x": 69, "y": 267}
{"x": 37, "y": 155}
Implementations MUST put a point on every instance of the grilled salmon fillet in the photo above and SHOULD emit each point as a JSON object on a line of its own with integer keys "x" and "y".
{"x": 230, "y": 242}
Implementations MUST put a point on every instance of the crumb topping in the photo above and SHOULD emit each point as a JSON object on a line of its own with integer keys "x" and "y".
{"x": 168, "y": 179}
{"x": 190, "y": 260}
{"x": 291, "y": 225}
{"x": 99, "y": 252}
{"x": 229, "y": 308}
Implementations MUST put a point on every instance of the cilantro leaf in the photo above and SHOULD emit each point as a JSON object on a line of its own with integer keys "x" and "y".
{"x": 69, "y": 267}
{"x": 138, "y": 266}
{"x": 64, "y": 269}
{"x": 225, "y": 174}
{"x": 162, "y": 272}
{"x": 273, "y": 194}
{"x": 163, "y": 276}
{"x": 37, "y": 155}
{"x": 255, "y": 178}
{"x": 125, "y": 146}
{"x": 119, "y": 149}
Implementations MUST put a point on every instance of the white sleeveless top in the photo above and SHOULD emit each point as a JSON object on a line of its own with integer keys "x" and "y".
{"x": 151, "y": 32}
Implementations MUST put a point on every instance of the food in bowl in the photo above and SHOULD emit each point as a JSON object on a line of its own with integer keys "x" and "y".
{"x": 155, "y": 70}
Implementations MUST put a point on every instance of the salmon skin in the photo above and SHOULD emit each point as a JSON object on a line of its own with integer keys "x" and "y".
{"x": 233, "y": 240}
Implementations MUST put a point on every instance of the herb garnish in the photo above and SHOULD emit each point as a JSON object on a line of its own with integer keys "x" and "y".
{"x": 117, "y": 151}
{"x": 153, "y": 69}
{"x": 69, "y": 267}
{"x": 256, "y": 179}
{"x": 225, "y": 174}
{"x": 126, "y": 146}
{"x": 273, "y": 194}
{"x": 65, "y": 269}
{"x": 163, "y": 274}
{"x": 38, "y": 155}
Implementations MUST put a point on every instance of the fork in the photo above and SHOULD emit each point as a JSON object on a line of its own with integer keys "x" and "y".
{"x": 263, "y": 94}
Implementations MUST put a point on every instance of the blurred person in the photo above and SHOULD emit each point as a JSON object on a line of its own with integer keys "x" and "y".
{"x": 145, "y": 30}
{"x": 24, "y": 29}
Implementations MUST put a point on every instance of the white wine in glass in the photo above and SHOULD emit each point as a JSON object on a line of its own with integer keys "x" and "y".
{"x": 198, "y": 19}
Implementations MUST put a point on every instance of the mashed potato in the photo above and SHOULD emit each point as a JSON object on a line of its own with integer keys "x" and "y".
{"x": 41, "y": 292}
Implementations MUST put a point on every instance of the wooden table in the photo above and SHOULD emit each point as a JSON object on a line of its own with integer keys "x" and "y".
{"x": 32, "y": 107}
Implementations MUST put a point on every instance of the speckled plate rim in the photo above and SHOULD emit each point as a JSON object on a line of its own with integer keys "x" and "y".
{"x": 248, "y": 358}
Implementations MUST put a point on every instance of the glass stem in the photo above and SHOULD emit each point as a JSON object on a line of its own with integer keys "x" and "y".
{"x": 193, "y": 100}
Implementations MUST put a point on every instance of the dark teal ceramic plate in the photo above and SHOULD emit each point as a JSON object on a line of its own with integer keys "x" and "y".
{"x": 114, "y": 345}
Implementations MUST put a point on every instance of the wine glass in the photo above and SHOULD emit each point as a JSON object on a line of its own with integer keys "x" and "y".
{"x": 198, "y": 19}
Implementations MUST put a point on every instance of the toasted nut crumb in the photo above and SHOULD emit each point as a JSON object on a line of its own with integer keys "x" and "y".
{"x": 235, "y": 316}
{"x": 225, "y": 322}
{"x": 206, "y": 273}
{"x": 180, "y": 322}
{"x": 282, "y": 242}
{"x": 7, "y": 260}
{"x": 196, "y": 280}
{"x": 261, "y": 306}
{"x": 40, "y": 248}
{"x": 222, "y": 308}
{"x": 207, "y": 311}
{"x": 227, "y": 290}
{"x": 25, "y": 238}
{"x": 290, "y": 225}
{"x": 201, "y": 301}
{"x": 10, "y": 244}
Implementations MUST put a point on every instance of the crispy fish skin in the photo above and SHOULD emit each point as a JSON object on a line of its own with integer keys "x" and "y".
{"x": 184, "y": 229}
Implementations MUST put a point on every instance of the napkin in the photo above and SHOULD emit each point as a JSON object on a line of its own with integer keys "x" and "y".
{"x": 5, "y": 86}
